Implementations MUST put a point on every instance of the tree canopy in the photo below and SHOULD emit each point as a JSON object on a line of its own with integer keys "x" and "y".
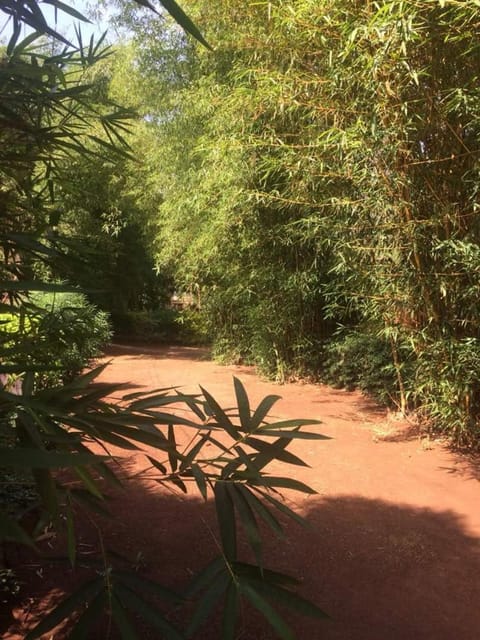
{"x": 319, "y": 171}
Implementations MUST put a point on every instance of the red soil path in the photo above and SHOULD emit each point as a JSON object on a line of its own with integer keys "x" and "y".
{"x": 393, "y": 549}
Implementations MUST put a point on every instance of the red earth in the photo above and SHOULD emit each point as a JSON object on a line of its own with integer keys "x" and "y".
{"x": 392, "y": 551}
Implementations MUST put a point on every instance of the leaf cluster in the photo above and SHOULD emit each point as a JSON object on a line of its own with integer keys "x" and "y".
{"x": 329, "y": 174}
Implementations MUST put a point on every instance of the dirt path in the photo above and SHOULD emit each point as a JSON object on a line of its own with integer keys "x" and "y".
{"x": 393, "y": 550}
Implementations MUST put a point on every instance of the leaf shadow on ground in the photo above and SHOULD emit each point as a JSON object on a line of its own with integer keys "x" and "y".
{"x": 380, "y": 570}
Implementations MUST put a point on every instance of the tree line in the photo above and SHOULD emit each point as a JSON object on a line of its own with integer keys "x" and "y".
{"x": 319, "y": 183}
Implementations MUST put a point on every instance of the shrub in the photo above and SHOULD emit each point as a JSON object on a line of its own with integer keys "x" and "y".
{"x": 447, "y": 383}
{"x": 69, "y": 333}
{"x": 361, "y": 361}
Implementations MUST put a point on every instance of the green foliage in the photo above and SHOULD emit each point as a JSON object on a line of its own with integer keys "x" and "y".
{"x": 226, "y": 457}
{"x": 447, "y": 382}
{"x": 53, "y": 121}
{"x": 147, "y": 326}
{"x": 327, "y": 177}
{"x": 69, "y": 333}
{"x": 362, "y": 361}
{"x": 58, "y": 333}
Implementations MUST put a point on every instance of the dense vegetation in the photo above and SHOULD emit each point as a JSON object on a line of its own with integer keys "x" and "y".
{"x": 310, "y": 184}
{"x": 71, "y": 214}
{"x": 319, "y": 175}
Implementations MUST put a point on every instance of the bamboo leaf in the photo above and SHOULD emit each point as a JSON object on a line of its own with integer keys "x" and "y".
{"x": 210, "y": 598}
{"x": 252, "y": 572}
{"x": 193, "y": 453}
{"x": 220, "y": 416}
{"x": 284, "y": 483}
{"x": 289, "y": 424}
{"x": 89, "y": 618}
{"x": 243, "y": 404}
{"x": 178, "y": 482}
{"x": 262, "y": 410}
{"x": 258, "y": 506}
{"x": 71, "y": 541}
{"x": 34, "y": 285}
{"x": 293, "y": 435}
{"x": 151, "y": 615}
{"x": 274, "y": 451}
{"x": 205, "y": 577}
{"x": 282, "y": 507}
{"x": 200, "y": 480}
{"x": 139, "y": 583}
{"x": 183, "y": 20}
{"x": 226, "y": 520}
{"x": 287, "y": 598}
{"x": 122, "y": 621}
{"x": 158, "y": 465}
{"x": 87, "y": 479}
{"x": 193, "y": 404}
{"x": 247, "y": 519}
{"x": 66, "y": 608}
{"x": 48, "y": 491}
{"x": 41, "y": 459}
{"x": 230, "y": 612}
{"x": 85, "y": 499}
{"x": 11, "y": 530}
{"x": 280, "y": 626}
{"x": 172, "y": 452}
{"x": 67, "y": 9}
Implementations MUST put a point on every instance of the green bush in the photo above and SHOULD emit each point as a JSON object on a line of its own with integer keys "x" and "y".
{"x": 192, "y": 327}
{"x": 69, "y": 332}
{"x": 447, "y": 382}
{"x": 361, "y": 361}
{"x": 164, "y": 325}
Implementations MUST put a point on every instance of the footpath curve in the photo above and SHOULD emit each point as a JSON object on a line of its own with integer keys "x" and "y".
{"x": 393, "y": 551}
{"x": 393, "y": 547}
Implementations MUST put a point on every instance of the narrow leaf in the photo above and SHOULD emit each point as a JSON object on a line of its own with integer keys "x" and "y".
{"x": 292, "y": 435}
{"x": 219, "y": 414}
{"x": 226, "y": 520}
{"x": 243, "y": 404}
{"x": 210, "y": 598}
{"x": 290, "y": 424}
{"x": 262, "y": 410}
{"x": 282, "y": 507}
{"x": 247, "y": 519}
{"x": 151, "y": 615}
{"x": 205, "y": 577}
{"x": 71, "y": 542}
{"x": 83, "y": 627}
{"x": 280, "y": 626}
{"x": 172, "y": 453}
{"x": 11, "y": 530}
{"x": 261, "y": 510}
{"x": 200, "y": 480}
{"x": 284, "y": 483}
{"x": 67, "y": 607}
{"x": 230, "y": 612}
{"x": 274, "y": 451}
{"x": 183, "y": 20}
{"x": 158, "y": 465}
{"x": 122, "y": 622}
{"x": 139, "y": 583}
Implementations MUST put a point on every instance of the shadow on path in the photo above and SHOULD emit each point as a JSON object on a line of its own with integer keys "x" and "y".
{"x": 382, "y": 571}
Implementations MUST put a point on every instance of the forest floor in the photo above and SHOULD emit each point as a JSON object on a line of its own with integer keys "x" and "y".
{"x": 393, "y": 547}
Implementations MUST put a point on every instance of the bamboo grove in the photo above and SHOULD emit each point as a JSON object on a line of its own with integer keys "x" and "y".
{"x": 319, "y": 172}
